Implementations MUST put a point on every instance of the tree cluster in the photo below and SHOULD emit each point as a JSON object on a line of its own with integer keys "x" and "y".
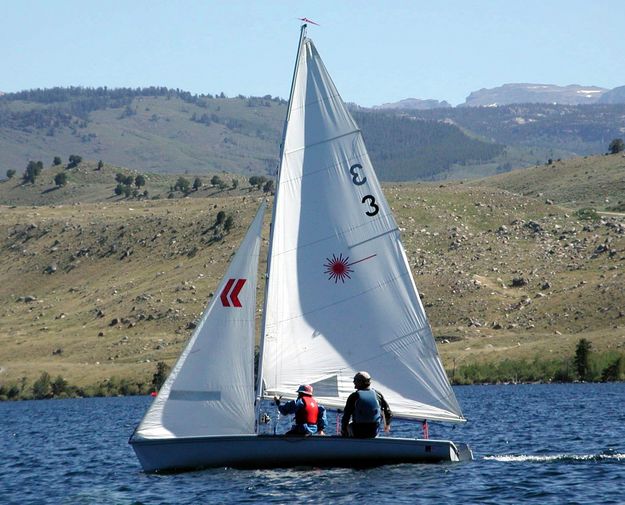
{"x": 205, "y": 119}
{"x": 45, "y": 387}
{"x": 616, "y": 146}
{"x": 74, "y": 161}
{"x": 261, "y": 182}
{"x": 33, "y": 170}
{"x": 218, "y": 182}
{"x": 160, "y": 376}
{"x": 70, "y": 107}
{"x": 182, "y": 184}
{"x": 403, "y": 148}
{"x": 125, "y": 185}
{"x": 65, "y": 104}
{"x": 591, "y": 368}
{"x": 60, "y": 179}
{"x": 586, "y": 365}
{"x": 223, "y": 224}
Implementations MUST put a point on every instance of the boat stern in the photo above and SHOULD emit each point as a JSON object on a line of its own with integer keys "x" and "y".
{"x": 461, "y": 452}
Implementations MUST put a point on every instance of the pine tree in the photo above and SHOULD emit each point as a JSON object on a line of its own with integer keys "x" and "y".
{"x": 582, "y": 358}
{"x": 616, "y": 146}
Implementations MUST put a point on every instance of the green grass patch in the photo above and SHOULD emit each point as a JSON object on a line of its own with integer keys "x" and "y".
{"x": 587, "y": 214}
{"x": 604, "y": 367}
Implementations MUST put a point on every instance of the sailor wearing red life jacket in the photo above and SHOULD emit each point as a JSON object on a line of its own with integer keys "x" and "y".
{"x": 310, "y": 417}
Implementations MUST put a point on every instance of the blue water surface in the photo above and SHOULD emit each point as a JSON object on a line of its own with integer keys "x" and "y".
{"x": 561, "y": 443}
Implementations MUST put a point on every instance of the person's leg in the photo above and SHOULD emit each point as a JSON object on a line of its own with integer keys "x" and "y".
{"x": 364, "y": 430}
{"x": 297, "y": 431}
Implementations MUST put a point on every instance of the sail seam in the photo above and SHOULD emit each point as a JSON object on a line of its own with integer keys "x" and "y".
{"x": 340, "y": 234}
{"x": 321, "y": 142}
{"x": 327, "y": 168}
{"x": 404, "y": 340}
{"x": 388, "y": 232}
{"x": 190, "y": 395}
{"x": 322, "y": 99}
{"x": 415, "y": 336}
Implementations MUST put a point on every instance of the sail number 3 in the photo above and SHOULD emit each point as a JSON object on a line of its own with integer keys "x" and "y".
{"x": 359, "y": 179}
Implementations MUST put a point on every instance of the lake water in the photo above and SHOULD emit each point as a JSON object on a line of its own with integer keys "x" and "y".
{"x": 532, "y": 443}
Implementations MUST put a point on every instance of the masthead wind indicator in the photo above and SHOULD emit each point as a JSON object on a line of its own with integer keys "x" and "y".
{"x": 306, "y": 20}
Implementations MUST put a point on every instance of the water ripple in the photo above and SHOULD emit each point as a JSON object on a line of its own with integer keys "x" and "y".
{"x": 530, "y": 445}
{"x": 524, "y": 458}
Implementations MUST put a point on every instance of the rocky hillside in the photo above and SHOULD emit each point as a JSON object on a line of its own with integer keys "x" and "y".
{"x": 97, "y": 290}
{"x": 108, "y": 288}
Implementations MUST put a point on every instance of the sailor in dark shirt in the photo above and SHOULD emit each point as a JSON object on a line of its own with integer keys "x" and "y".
{"x": 366, "y": 408}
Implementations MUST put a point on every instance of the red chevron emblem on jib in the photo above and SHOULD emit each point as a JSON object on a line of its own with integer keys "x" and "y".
{"x": 230, "y": 294}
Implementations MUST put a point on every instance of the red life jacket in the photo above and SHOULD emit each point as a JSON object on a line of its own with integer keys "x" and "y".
{"x": 310, "y": 412}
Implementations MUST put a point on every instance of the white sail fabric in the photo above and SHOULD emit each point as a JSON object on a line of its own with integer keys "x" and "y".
{"x": 340, "y": 295}
{"x": 210, "y": 390}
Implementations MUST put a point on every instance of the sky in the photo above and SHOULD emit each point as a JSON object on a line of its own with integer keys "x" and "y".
{"x": 376, "y": 51}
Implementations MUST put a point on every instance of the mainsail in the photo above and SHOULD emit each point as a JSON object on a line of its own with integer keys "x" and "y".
{"x": 210, "y": 390}
{"x": 340, "y": 294}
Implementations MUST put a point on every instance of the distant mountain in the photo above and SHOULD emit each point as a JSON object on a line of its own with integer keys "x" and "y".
{"x": 534, "y": 93}
{"x": 415, "y": 104}
{"x": 616, "y": 95}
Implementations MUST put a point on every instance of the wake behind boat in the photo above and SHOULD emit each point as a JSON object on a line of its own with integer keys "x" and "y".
{"x": 339, "y": 297}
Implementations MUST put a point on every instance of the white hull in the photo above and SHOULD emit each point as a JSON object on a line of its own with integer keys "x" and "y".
{"x": 268, "y": 451}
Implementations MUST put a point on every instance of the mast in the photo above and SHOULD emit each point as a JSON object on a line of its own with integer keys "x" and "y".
{"x": 259, "y": 384}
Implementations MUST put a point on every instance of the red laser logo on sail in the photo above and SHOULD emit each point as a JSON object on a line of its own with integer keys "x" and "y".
{"x": 338, "y": 267}
{"x": 232, "y": 292}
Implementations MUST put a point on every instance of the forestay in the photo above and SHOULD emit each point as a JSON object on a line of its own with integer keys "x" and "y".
{"x": 210, "y": 390}
{"x": 340, "y": 294}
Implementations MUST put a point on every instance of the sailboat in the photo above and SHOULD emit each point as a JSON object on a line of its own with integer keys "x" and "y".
{"x": 339, "y": 298}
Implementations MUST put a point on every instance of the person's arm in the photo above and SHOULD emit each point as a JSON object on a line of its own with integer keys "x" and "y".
{"x": 322, "y": 420}
{"x": 350, "y": 405}
{"x": 386, "y": 411}
{"x": 287, "y": 408}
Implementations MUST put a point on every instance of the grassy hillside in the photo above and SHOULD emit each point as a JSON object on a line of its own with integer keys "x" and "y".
{"x": 150, "y": 133}
{"x": 171, "y": 131}
{"x": 87, "y": 183}
{"x": 590, "y": 182}
{"x": 102, "y": 289}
